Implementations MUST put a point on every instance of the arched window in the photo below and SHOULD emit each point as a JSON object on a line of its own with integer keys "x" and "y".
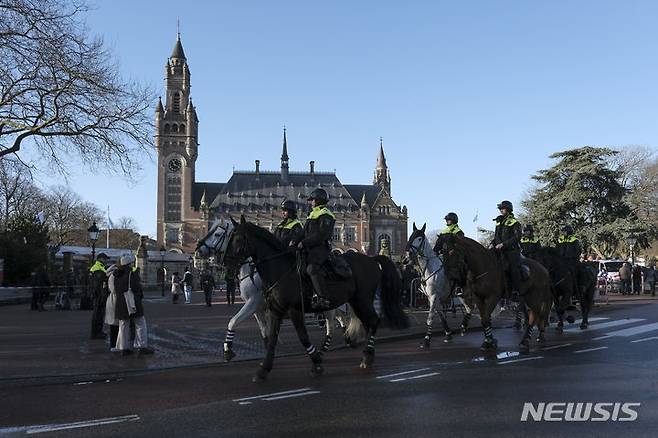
{"x": 177, "y": 103}
{"x": 182, "y": 128}
{"x": 167, "y": 128}
{"x": 174, "y": 128}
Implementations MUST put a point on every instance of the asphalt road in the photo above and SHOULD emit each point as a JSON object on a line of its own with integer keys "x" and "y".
{"x": 450, "y": 390}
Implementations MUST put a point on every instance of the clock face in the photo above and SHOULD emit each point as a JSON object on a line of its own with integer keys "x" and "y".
{"x": 175, "y": 165}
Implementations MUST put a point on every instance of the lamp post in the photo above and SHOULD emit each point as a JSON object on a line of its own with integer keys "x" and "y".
{"x": 94, "y": 232}
{"x": 163, "y": 251}
{"x": 632, "y": 241}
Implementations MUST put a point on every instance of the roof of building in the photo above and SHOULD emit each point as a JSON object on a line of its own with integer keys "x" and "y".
{"x": 178, "y": 50}
{"x": 357, "y": 191}
{"x": 211, "y": 190}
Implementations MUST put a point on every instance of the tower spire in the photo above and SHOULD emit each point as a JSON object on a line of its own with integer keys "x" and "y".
{"x": 284, "y": 158}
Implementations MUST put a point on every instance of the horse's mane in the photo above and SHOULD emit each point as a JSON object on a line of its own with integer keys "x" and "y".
{"x": 265, "y": 235}
{"x": 472, "y": 246}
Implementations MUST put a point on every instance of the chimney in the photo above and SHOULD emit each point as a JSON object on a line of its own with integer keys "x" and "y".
{"x": 257, "y": 169}
{"x": 312, "y": 163}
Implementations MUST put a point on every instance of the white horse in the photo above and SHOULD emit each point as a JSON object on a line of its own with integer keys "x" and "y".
{"x": 251, "y": 291}
{"x": 434, "y": 284}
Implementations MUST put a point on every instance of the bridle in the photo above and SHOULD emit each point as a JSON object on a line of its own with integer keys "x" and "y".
{"x": 419, "y": 252}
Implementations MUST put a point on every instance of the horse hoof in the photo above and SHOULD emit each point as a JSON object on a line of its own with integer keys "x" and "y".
{"x": 541, "y": 338}
{"x": 462, "y": 330}
{"x": 571, "y": 319}
{"x": 584, "y": 325}
{"x": 363, "y": 365}
{"x": 261, "y": 376}
{"x": 447, "y": 338}
{"x": 488, "y": 345}
{"x": 228, "y": 355}
{"x": 317, "y": 370}
{"x": 425, "y": 344}
{"x": 524, "y": 347}
{"x": 324, "y": 349}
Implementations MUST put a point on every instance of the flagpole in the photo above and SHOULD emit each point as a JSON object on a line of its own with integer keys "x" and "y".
{"x": 109, "y": 225}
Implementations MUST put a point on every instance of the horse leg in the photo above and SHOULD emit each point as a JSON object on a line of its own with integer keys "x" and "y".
{"x": 365, "y": 311}
{"x": 447, "y": 337}
{"x": 330, "y": 316}
{"x": 520, "y": 316}
{"x": 261, "y": 320}
{"x": 430, "y": 320}
{"x": 343, "y": 321}
{"x": 486, "y": 308}
{"x": 524, "y": 345}
{"x": 266, "y": 365}
{"x": 297, "y": 318}
{"x": 467, "y": 317}
{"x": 584, "y": 309}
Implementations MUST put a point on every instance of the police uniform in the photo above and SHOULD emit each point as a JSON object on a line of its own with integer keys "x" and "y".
{"x": 318, "y": 232}
{"x": 453, "y": 228}
{"x": 569, "y": 249}
{"x": 290, "y": 230}
{"x": 508, "y": 233}
{"x": 99, "y": 296}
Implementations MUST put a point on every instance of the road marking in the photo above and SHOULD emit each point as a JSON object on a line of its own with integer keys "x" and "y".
{"x": 299, "y": 394}
{"x": 590, "y": 349}
{"x": 644, "y": 339}
{"x": 632, "y": 331}
{"x": 600, "y": 338}
{"x": 42, "y": 428}
{"x": 401, "y": 374}
{"x": 520, "y": 360}
{"x": 608, "y": 324}
{"x": 274, "y": 394}
{"x": 556, "y": 346}
{"x": 414, "y": 377}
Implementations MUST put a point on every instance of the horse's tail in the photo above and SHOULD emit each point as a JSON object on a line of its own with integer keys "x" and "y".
{"x": 391, "y": 294}
{"x": 354, "y": 329}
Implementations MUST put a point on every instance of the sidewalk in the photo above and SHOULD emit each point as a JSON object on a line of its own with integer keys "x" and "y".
{"x": 56, "y": 343}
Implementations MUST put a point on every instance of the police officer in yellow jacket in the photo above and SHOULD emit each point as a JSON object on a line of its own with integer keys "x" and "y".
{"x": 506, "y": 240}
{"x": 529, "y": 242}
{"x": 98, "y": 283}
{"x": 289, "y": 231}
{"x": 318, "y": 232}
{"x": 569, "y": 248}
{"x": 452, "y": 227}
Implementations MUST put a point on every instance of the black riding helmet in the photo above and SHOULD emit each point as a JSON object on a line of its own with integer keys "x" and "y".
{"x": 319, "y": 195}
{"x": 506, "y": 205}
{"x": 289, "y": 205}
{"x": 452, "y": 217}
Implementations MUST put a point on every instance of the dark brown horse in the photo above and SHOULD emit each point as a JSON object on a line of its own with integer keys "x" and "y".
{"x": 466, "y": 258}
{"x": 285, "y": 291}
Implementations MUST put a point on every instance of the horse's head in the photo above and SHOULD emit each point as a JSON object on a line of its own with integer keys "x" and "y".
{"x": 216, "y": 240}
{"x": 238, "y": 246}
{"x": 417, "y": 241}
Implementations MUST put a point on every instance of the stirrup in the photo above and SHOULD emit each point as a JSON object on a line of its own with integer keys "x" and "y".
{"x": 459, "y": 292}
{"x": 318, "y": 302}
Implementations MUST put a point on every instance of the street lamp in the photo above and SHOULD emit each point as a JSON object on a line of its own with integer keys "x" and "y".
{"x": 163, "y": 251}
{"x": 94, "y": 232}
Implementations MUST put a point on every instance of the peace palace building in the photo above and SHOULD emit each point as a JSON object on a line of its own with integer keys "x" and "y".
{"x": 366, "y": 214}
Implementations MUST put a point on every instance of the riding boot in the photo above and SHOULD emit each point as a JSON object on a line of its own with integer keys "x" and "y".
{"x": 319, "y": 302}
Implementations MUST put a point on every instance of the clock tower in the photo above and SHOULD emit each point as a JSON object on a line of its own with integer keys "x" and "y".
{"x": 176, "y": 135}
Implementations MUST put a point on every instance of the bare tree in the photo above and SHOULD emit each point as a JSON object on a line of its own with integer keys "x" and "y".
{"x": 19, "y": 197}
{"x": 126, "y": 223}
{"x": 60, "y": 88}
{"x": 67, "y": 215}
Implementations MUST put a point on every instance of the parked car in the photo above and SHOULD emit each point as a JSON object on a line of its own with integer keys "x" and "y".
{"x": 608, "y": 273}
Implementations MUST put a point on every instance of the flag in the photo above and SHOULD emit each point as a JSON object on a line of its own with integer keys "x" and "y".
{"x": 109, "y": 221}
{"x": 475, "y": 219}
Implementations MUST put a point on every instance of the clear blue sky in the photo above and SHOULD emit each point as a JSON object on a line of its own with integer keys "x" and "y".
{"x": 470, "y": 96}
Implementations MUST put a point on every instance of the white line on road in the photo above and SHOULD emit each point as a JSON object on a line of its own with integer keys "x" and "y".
{"x": 632, "y": 331}
{"x": 414, "y": 377}
{"x": 271, "y": 395}
{"x": 299, "y": 394}
{"x": 608, "y": 324}
{"x": 600, "y": 338}
{"x": 42, "y": 428}
{"x": 556, "y": 346}
{"x": 520, "y": 360}
{"x": 644, "y": 339}
{"x": 402, "y": 373}
{"x": 590, "y": 349}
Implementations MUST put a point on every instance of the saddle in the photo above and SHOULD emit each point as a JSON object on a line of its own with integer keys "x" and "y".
{"x": 336, "y": 268}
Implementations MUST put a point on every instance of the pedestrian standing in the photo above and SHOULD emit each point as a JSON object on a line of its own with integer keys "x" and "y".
{"x": 230, "y": 286}
{"x": 125, "y": 280}
{"x": 110, "y": 309}
{"x": 175, "y": 287}
{"x": 637, "y": 279}
{"x": 187, "y": 286}
{"x": 625, "y": 278}
{"x": 652, "y": 278}
{"x": 98, "y": 296}
{"x": 208, "y": 286}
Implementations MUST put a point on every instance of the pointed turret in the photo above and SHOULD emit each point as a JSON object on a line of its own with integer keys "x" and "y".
{"x": 364, "y": 202}
{"x": 381, "y": 159}
{"x": 203, "y": 204}
{"x": 159, "y": 108}
{"x": 178, "y": 52}
{"x": 382, "y": 178}
{"x": 284, "y": 159}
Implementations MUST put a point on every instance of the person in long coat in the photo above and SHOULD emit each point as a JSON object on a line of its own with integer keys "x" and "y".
{"x": 125, "y": 278}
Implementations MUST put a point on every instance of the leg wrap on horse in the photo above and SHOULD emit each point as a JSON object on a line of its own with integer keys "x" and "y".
{"x": 488, "y": 332}
{"x": 327, "y": 343}
{"x": 428, "y": 333}
{"x": 371, "y": 343}
{"x": 228, "y": 342}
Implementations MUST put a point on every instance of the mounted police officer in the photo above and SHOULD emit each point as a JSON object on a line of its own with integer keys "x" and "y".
{"x": 452, "y": 227}
{"x": 98, "y": 283}
{"x": 506, "y": 241}
{"x": 569, "y": 249}
{"x": 530, "y": 244}
{"x": 318, "y": 231}
{"x": 289, "y": 231}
